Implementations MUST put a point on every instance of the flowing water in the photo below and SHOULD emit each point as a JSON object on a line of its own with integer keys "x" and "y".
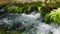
{"x": 28, "y": 23}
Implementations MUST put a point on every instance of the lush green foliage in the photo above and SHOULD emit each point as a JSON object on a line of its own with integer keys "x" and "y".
{"x": 53, "y": 16}
{"x": 23, "y": 8}
{"x": 12, "y": 8}
{"x": 47, "y": 18}
{"x": 17, "y": 9}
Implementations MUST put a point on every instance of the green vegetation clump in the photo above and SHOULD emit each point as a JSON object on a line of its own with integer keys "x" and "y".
{"x": 17, "y": 9}
{"x": 54, "y": 16}
{"x": 12, "y": 8}
{"x": 23, "y": 8}
{"x": 47, "y": 18}
{"x": 27, "y": 8}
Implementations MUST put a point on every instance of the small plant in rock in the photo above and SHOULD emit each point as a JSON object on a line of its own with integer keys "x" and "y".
{"x": 54, "y": 16}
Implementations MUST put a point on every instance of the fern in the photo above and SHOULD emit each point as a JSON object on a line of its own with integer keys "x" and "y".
{"x": 54, "y": 15}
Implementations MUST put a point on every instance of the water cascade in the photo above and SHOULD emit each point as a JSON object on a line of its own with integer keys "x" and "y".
{"x": 28, "y": 23}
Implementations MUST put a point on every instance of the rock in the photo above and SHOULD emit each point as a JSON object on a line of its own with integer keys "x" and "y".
{"x": 2, "y": 11}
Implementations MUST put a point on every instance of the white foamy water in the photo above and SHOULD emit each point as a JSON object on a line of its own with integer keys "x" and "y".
{"x": 30, "y": 23}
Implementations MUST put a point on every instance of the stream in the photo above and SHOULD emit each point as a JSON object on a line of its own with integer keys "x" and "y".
{"x": 29, "y": 23}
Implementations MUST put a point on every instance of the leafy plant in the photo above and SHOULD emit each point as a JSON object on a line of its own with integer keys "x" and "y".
{"x": 53, "y": 16}
{"x": 8, "y": 8}
{"x": 39, "y": 9}
{"x": 47, "y": 18}
{"x": 27, "y": 9}
{"x": 20, "y": 10}
{"x": 23, "y": 8}
{"x": 12, "y": 8}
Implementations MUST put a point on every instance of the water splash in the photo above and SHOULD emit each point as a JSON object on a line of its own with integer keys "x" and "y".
{"x": 28, "y": 23}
